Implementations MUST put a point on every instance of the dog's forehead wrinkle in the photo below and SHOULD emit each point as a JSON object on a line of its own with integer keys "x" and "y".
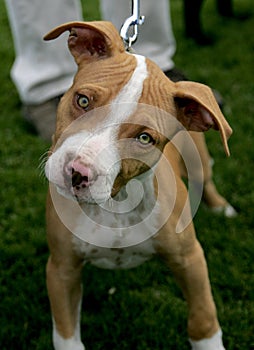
{"x": 120, "y": 74}
{"x": 133, "y": 89}
{"x": 126, "y": 101}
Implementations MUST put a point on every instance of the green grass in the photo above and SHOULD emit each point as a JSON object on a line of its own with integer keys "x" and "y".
{"x": 147, "y": 310}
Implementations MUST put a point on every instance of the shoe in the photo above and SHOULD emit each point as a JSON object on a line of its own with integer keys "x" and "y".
{"x": 42, "y": 117}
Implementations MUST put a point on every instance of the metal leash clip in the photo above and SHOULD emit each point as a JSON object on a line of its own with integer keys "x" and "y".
{"x": 132, "y": 22}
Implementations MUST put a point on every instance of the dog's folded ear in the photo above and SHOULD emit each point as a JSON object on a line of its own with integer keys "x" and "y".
{"x": 198, "y": 110}
{"x": 90, "y": 40}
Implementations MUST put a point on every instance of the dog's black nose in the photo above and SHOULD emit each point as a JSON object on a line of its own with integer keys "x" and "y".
{"x": 77, "y": 179}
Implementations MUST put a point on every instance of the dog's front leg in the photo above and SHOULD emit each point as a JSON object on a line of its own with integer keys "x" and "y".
{"x": 64, "y": 284}
{"x": 188, "y": 264}
{"x": 65, "y": 294}
{"x": 203, "y": 325}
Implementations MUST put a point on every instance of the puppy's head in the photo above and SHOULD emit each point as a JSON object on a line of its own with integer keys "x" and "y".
{"x": 114, "y": 121}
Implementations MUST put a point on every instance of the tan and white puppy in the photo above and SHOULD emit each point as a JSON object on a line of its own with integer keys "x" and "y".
{"x": 116, "y": 195}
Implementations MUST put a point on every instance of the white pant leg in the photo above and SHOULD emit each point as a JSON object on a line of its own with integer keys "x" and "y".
{"x": 42, "y": 70}
{"x": 156, "y": 39}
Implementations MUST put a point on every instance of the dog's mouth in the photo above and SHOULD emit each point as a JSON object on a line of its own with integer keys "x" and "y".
{"x": 84, "y": 195}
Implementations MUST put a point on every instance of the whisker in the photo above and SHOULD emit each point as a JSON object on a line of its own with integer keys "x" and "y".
{"x": 43, "y": 159}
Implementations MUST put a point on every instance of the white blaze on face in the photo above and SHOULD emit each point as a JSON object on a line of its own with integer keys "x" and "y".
{"x": 126, "y": 101}
{"x": 98, "y": 149}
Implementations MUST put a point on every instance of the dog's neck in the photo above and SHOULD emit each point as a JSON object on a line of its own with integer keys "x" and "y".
{"x": 127, "y": 219}
{"x": 137, "y": 193}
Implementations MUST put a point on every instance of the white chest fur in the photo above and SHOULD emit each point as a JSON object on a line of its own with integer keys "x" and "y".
{"x": 115, "y": 258}
{"x": 120, "y": 233}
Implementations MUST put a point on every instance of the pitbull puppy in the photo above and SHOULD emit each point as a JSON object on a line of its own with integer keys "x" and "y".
{"x": 116, "y": 194}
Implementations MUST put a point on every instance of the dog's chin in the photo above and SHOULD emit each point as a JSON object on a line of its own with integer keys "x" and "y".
{"x": 84, "y": 197}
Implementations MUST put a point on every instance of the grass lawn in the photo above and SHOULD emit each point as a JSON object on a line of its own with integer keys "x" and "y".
{"x": 147, "y": 310}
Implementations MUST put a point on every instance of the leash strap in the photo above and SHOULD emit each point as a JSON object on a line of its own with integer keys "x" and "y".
{"x": 130, "y": 28}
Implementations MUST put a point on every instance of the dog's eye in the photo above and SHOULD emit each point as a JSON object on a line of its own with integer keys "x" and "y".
{"x": 145, "y": 138}
{"x": 83, "y": 101}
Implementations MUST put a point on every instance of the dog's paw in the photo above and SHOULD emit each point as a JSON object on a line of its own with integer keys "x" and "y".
{"x": 213, "y": 343}
{"x": 73, "y": 343}
{"x": 226, "y": 210}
